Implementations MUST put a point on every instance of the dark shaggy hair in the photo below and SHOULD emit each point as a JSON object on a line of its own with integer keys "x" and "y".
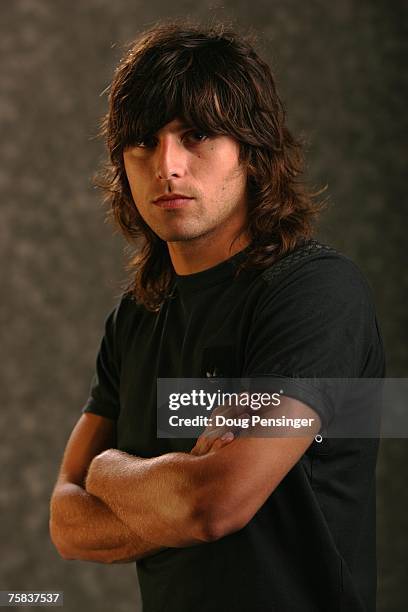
{"x": 216, "y": 81}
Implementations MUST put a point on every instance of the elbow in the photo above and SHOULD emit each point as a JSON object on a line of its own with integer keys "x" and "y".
{"x": 212, "y": 530}
{"x": 54, "y": 528}
{"x": 65, "y": 554}
{"x": 62, "y": 548}
{"x": 56, "y": 536}
{"x": 57, "y": 531}
{"x": 217, "y": 513}
{"x": 209, "y": 531}
{"x": 215, "y": 521}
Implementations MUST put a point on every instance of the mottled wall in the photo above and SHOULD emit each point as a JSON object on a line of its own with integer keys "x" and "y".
{"x": 341, "y": 72}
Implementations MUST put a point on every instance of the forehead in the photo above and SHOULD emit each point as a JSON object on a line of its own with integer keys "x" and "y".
{"x": 176, "y": 125}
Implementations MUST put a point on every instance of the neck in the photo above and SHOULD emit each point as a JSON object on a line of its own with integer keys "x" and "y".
{"x": 205, "y": 252}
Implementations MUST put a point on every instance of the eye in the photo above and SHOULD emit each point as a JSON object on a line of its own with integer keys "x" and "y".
{"x": 147, "y": 143}
{"x": 196, "y": 136}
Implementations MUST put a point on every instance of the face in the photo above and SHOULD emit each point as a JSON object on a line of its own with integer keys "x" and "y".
{"x": 204, "y": 170}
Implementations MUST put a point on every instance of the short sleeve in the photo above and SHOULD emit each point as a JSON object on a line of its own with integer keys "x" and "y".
{"x": 104, "y": 388}
{"x": 318, "y": 322}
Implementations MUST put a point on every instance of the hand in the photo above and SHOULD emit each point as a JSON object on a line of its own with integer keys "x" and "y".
{"x": 213, "y": 438}
{"x": 208, "y": 442}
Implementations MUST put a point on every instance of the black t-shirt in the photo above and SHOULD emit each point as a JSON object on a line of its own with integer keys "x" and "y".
{"x": 311, "y": 546}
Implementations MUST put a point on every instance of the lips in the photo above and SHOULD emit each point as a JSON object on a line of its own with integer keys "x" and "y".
{"x": 172, "y": 201}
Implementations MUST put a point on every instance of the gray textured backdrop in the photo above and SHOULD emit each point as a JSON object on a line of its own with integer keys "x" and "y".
{"x": 341, "y": 71}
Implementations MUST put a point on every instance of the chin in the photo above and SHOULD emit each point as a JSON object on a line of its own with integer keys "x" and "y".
{"x": 180, "y": 234}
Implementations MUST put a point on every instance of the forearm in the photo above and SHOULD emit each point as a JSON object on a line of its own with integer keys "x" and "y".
{"x": 83, "y": 527}
{"x": 153, "y": 497}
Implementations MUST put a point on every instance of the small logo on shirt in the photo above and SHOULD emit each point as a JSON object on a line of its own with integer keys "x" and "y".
{"x": 213, "y": 372}
{"x": 218, "y": 362}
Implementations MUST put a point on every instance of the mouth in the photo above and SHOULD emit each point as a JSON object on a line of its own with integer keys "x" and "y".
{"x": 176, "y": 202}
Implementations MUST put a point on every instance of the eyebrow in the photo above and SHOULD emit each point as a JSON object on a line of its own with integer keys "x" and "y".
{"x": 181, "y": 125}
{"x": 184, "y": 124}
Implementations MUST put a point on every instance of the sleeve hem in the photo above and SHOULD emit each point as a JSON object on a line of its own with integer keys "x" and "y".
{"x": 101, "y": 410}
{"x": 298, "y": 389}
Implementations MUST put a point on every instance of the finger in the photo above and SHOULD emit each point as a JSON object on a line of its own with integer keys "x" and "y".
{"x": 207, "y": 440}
{"x": 203, "y": 443}
{"x": 204, "y": 448}
{"x": 221, "y": 440}
{"x": 226, "y": 439}
{"x": 212, "y": 434}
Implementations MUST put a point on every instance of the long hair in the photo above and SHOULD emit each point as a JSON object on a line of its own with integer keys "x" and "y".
{"x": 216, "y": 81}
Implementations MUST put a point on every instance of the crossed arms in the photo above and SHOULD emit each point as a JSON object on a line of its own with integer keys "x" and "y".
{"x": 112, "y": 507}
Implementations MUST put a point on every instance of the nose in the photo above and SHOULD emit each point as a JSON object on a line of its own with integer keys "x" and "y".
{"x": 170, "y": 158}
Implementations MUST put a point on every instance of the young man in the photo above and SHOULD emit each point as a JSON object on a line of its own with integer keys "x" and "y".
{"x": 204, "y": 178}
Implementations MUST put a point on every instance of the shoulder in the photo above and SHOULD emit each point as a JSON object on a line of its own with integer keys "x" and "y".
{"x": 123, "y": 316}
{"x": 314, "y": 315}
{"x": 319, "y": 272}
{"x": 127, "y": 306}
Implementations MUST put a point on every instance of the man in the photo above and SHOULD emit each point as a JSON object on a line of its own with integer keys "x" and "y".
{"x": 204, "y": 177}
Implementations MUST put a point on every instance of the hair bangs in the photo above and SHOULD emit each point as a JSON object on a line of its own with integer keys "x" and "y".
{"x": 193, "y": 89}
